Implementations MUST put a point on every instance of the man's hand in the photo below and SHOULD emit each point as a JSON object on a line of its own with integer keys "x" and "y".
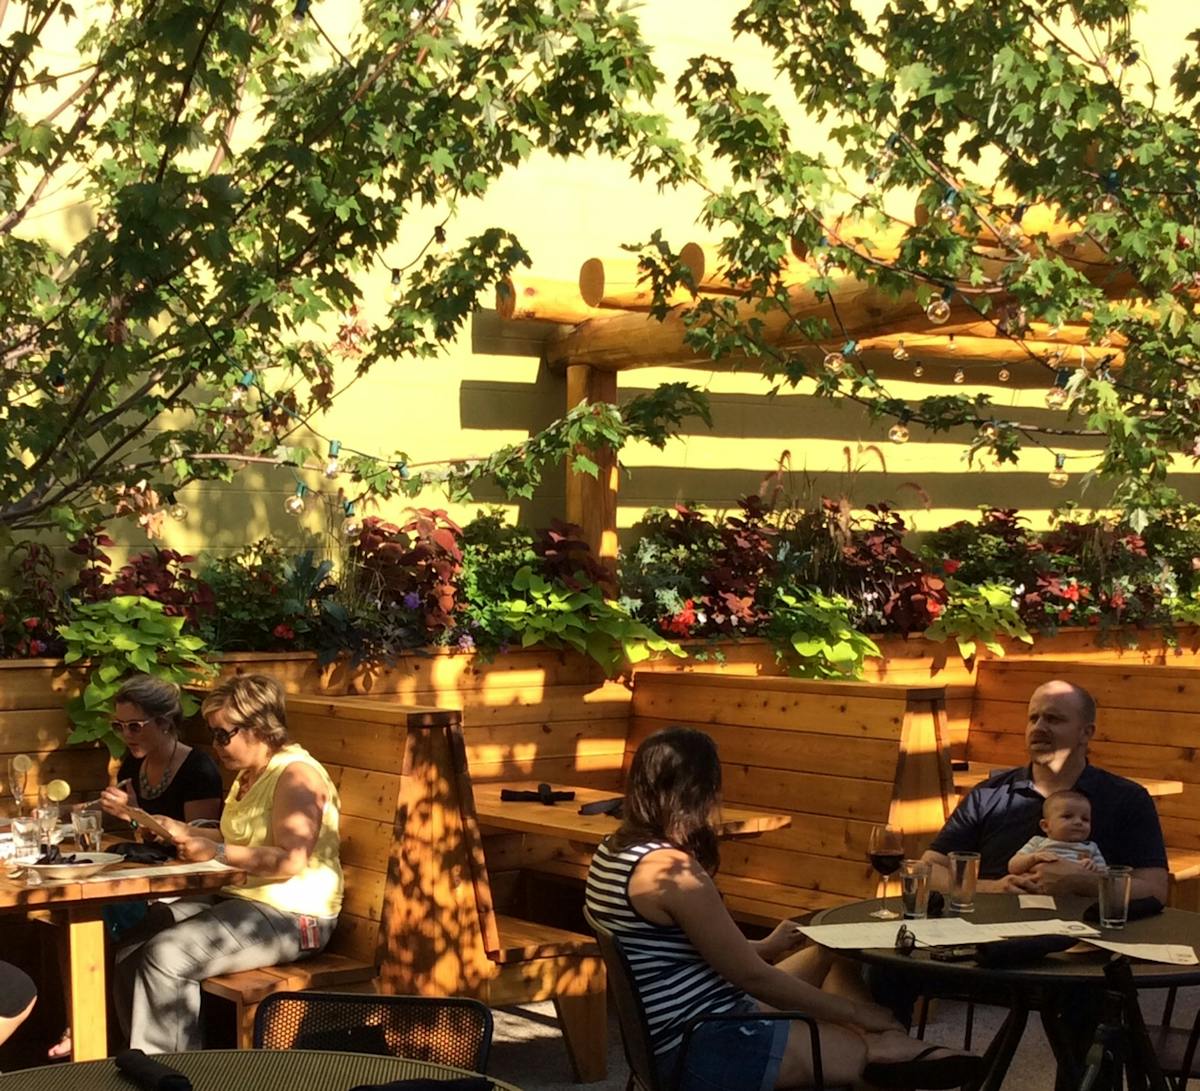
{"x": 1012, "y": 884}
{"x": 1065, "y": 877}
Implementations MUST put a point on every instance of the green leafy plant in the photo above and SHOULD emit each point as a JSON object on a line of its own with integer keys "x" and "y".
{"x": 978, "y": 615}
{"x": 813, "y": 634}
{"x": 116, "y": 637}
{"x": 554, "y": 616}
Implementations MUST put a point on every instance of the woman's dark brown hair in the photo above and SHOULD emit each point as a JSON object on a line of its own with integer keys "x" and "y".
{"x": 672, "y": 794}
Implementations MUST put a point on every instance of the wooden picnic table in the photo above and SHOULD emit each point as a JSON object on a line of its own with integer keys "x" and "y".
{"x": 966, "y": 779}
{"x": 81, "y": 903}
{"x": 563, "y": 820}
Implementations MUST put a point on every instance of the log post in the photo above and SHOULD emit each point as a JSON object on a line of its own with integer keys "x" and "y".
{"x": 592, "y": 501}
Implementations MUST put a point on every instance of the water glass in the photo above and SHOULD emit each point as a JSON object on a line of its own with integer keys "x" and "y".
{"x": 1115, "y": 884}
{"x": 87, "y": 830}
{"x": 914, "y": 889}
{"x": 46, "y": 817}
{"x": 964, "y": 874}
{"x": 25, "y": 840}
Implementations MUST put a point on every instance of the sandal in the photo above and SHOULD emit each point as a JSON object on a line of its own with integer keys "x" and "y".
{"x": 924, "y": 1071}
{"x": 61, "y": 1050}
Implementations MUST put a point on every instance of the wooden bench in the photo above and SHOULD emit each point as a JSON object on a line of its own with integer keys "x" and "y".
{"x": 418, "y": 916}
{"x": 1147, "y": 728}
{"x": 835, "y": 757}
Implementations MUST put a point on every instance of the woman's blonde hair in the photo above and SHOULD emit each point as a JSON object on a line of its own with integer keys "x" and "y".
{"x": 251, "y": 702}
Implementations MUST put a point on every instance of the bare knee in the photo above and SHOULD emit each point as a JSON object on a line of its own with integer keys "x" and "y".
{"x": 9, "y": 1023}
{"x": 843, "y": 1055}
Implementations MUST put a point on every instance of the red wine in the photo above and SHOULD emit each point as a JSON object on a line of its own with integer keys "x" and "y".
{"x": 886, "y": 862}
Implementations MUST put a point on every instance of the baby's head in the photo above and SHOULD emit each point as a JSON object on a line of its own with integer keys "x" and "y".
{"x": 1067, "y": 816}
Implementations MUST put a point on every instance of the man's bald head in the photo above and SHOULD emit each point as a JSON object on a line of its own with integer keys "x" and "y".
{"x": 1084, "y": 701}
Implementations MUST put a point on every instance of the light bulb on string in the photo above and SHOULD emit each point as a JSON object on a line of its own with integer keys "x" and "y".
{"x": 1004, "y": 375}
{"x": 300, "y": 10}
{"x": 333, "y": 467}
{"x": 988, "y": 431}
{"x": 834, "y": 362}
{"x": 898, "y": 433}
{"x": 1056, "y": 396}
{"x": 266, "y": 421}
{"x": 918, "y": 371}
{"x": 938, "y": 311}
{"x": 351, "y": 528}
{"x": 1058, "y": 477}
{"x": 947, "y": 211}
{"x": 402, "y": 471}
{"x": 294, "y": 504}
{"x": 238, "y": 394}
{"x": 960, "y": 376}
{"x": 951, "y": 344}
{"x": 175, "y": 509}
{"x": 900, "y": 352}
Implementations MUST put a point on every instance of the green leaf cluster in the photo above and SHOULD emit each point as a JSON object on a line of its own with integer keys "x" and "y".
{"x": 814, "y": 636}
{"x": 979, "y": 615}
{"x": 116, "y": 638}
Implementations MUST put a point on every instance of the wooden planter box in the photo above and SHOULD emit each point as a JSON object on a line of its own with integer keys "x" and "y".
{"x": 533, "y": 714}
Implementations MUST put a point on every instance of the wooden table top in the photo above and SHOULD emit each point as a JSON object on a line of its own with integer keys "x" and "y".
{"x": 122, "y": 882}
{"x": 564, "y": 820}
{"x": 260, "y": 1069}
{"x": 966, "y": 779}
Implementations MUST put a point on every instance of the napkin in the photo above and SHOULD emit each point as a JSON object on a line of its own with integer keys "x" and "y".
{"x": 150, "y": 1074}
{"x": 137, "y": 853}
{"x": 604, "y": 806}
{"x": 544, "y": 794}
{"x": 467, "y": 1083}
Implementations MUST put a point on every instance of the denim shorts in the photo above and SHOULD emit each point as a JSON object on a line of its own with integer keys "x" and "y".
{"x": 730, "y": 1056}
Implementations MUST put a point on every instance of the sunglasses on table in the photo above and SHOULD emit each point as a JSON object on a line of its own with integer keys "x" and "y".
{"x": 221, "y": 737}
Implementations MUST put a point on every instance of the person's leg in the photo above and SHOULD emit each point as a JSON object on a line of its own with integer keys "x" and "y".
{"x": 234, "y": 934}
{"x": 18, "y": 994}
{"x": 827, "y": 970}
{"x": 843, "y": 1055}
{"x": 159, "y": 916}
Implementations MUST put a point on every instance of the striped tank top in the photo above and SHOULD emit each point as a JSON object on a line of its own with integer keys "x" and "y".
{"x": 669, "y": 974}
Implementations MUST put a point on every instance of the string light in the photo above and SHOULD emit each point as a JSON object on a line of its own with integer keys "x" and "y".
{"x": 351, "y": 528}
{"x": 988, "y": 431}
{"x": 898, "y": 433}
{"x": 1058, "y": 477}
{"x": 834, "y": 362}
{"x": 333, "y": 467}
{"x": 294, "y": 504}
{"x": 1004, "y": 375}
{"x": 918, "y": 371}
{"x": 300, "y": 10}
{"x": 938, "y": 311}
{"x": 175, "y": 509}
{"x": 1011, "y": 233}
{"x": 951, "y": 344}
{"x": 900, "y": 352}
{"x": 947, "y": 211}
{"x": 238, "y": 394}
{"x": 960, "y": 376}
{"x": 1056, "y": 396}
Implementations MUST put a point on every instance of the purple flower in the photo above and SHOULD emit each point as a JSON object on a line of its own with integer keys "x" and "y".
{"x": 466, "y": 642}
{"x": 412, "y": 600}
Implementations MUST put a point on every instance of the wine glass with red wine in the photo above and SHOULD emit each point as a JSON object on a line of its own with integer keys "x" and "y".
{"x": 886, "y": 853}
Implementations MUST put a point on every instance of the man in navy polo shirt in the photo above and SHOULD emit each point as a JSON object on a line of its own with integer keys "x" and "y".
{"x": 998, "y": 816}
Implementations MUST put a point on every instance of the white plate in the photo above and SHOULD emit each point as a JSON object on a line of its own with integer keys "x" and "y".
{"x": 98, "y": 861}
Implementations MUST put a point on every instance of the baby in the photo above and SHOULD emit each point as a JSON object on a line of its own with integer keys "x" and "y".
{"x": 1067, "y": 825}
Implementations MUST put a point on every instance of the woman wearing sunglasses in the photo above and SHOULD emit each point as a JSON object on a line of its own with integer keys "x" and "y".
{"x": 280, "y": 826}
{"x": 160, "y": 773}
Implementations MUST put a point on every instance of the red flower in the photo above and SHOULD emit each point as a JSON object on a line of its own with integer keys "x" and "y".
{"x": 1071, "y": 592}
{"x": 31, "y": 623}
{"x": 1064, "y": 615}
{"x": 283, "y": 631}
{"x": 951, "y": 567}
{"x": 1117, "y": 601}
{"x": 36, "y": 647}
{"x": 933, "y": 607}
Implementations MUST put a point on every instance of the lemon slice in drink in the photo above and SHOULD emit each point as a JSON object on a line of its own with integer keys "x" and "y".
{"x": 22, "y": 763}
{"x": 57, "y": 790}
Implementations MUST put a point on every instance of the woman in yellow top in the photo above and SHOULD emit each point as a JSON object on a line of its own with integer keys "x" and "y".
{"x": 280, "y": 826}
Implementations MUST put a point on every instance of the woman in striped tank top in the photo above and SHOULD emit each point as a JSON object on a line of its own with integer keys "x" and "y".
{"x": 651, "y": 885}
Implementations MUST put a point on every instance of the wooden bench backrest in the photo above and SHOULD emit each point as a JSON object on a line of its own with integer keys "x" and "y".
{"x": 1147, "y": 725}
{"x": 838, "y": 756}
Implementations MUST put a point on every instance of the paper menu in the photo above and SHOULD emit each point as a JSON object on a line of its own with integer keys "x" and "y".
{"x": 1013, "y": 929}
{"x": 1177, "y": 954}
{"x": 875, "y": 934}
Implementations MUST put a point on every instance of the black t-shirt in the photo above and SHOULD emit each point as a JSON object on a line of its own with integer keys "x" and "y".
{"x": 998, "y": 816}
{"x": 197, "y": 778}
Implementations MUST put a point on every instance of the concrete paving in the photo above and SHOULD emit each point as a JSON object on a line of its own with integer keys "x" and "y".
{"x": 528, "y": 1050}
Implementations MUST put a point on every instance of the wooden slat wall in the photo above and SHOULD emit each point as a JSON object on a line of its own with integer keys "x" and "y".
{"x": 827, "y": 753}
{"x": 1147, "y": 725}
{"x": 529, "y": 715}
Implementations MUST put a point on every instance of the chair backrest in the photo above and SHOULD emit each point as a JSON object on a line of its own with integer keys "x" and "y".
{"x": 443, "y": 1030}
{"x": 631, "y": 1014}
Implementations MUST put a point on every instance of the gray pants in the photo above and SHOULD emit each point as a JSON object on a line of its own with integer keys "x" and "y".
{"x": 161, "y": 963}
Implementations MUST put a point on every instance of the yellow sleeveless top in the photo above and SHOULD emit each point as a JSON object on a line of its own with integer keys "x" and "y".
{"x": 317, "y": 890}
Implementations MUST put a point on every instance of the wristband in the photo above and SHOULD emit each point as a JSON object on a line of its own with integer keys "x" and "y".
{"x": 219, "y": 853}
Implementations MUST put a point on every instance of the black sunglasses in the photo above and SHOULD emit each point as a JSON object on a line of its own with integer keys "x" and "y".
{"x": 221, "y": 737}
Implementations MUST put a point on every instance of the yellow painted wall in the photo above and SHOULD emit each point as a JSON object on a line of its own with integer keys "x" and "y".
{"x": 475, "y": 399}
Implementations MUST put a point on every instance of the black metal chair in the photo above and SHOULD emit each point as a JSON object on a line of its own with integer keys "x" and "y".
{"x": 635, "y": 1030}
{"x": 1123, "y": 1052}
{"x": 450, "y": 1030}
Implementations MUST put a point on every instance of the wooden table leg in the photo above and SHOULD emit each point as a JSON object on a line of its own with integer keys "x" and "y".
{"x": 88, "y": 995}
